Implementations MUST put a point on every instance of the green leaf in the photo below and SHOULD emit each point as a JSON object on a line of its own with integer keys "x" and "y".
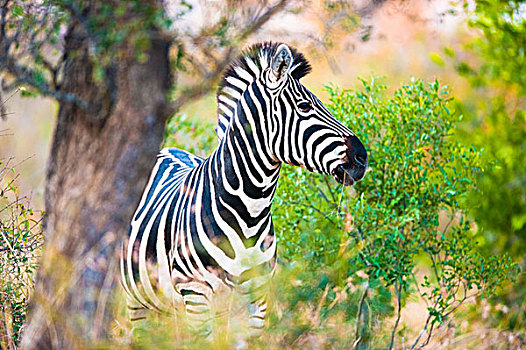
{"x": 436, "y": 58}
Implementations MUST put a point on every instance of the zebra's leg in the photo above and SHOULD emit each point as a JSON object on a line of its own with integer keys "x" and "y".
{"x": 198, "y": 313}
{"x": 257, "y": 311}
{"x": 139, "y": 316}
{"x": 254, "y": 291}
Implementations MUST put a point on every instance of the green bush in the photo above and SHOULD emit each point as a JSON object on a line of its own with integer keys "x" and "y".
{"x": 20, "y": 243}
{"x": 402, "y": 229}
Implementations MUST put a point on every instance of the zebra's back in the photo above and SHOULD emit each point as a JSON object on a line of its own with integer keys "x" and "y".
{"x": 170, "y": 169}
{"x": 145, "y": 266}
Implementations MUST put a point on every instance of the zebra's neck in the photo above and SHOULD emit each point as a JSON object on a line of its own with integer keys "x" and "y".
{"x": 243, "y": 162}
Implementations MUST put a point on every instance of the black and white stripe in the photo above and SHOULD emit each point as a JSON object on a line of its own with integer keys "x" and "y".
{"x": 203, "y": 227}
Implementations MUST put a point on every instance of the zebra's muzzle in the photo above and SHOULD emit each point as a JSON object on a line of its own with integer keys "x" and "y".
{"x": 345, "y": 174}
{"x": 355, "y": 163}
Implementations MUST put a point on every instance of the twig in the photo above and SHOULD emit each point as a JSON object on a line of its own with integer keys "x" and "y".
{"x": 341, "y": 195}
{"x": 320, "y": 212}
{"x": 4, "y": 130}
{"x": 423, "y": 331}
{"x": 428, "y": 336}
{"x": 320, "y": 192}
{"x": 3, "y": 111}
{"x": 25, "y": 76}
{"x": 357, "y": 337}
{"x": 325, "y": 178}
{"x": 418, "y": 289}
{"x": 448, "y": 224}
{"x": 398, "y": 288}
{"x": 439, "y": 280}
{"x": 320, "y": 304}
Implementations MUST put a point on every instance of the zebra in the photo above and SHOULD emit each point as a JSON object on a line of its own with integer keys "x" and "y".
{"x": 203, "y": 227}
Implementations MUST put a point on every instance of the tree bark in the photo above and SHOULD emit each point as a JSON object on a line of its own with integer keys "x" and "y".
{"x": 100, "y": 160}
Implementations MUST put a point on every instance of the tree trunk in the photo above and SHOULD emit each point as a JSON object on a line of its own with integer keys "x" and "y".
{"x": 98, "y": 167}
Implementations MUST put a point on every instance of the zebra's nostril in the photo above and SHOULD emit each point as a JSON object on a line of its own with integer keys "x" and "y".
{"x": 360, "y": 160}
{"x": 356, "y": 152}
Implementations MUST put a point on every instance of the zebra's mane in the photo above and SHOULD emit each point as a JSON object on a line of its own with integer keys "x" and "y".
{"x": 242, "y": 71}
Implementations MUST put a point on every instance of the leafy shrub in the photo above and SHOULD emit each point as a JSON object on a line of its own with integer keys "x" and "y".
{"x": 20, "y": 243}
{"x": 402, "y": 228}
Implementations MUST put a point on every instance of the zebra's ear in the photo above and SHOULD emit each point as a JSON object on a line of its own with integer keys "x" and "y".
{"x": 281, "y": 62}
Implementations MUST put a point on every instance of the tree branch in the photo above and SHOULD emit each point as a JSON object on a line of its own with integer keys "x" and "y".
{"x": 398, "y": 288}
{"x": 209, "y": 82}
{"x": 12, "y": 55}
{"x": 26, "y": 76}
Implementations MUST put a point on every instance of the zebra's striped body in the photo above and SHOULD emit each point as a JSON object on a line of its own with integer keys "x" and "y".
{"x": 204, "y": 225}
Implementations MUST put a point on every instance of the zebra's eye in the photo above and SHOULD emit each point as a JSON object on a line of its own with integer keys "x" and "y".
{"x": 305, "y": 106}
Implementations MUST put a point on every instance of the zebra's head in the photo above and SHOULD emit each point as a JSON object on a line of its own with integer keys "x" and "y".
{"x": 299, "y": 129}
